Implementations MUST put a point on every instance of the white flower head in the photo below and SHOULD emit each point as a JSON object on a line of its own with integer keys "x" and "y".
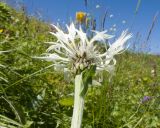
{"x": 97, "y": 6}
{"x": 123, "y": 22}
{"x": 111, "y": 16}
{"x": 76, "y": 52}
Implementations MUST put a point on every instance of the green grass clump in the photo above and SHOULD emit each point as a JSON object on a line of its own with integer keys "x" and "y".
{"x": 32, "y": 95}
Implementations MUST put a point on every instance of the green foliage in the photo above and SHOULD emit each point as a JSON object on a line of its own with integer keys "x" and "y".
{"x": 68, "y": 101}
{"x": 5, "y": 13}
{"x": 33, "y": 95}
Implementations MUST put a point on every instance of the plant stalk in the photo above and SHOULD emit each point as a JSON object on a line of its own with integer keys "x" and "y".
{"x": 78, "y": 103}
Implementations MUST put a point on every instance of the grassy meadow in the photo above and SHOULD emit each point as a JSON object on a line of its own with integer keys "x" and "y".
{"x": 34, "y": 95}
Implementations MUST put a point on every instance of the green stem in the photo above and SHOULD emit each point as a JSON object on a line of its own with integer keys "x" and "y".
{"x": 78, "y": 103}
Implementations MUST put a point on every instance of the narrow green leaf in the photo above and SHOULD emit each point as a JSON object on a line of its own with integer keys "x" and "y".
{"x": 28, "y": 124}
{"x": 87, "y": 79}
{"x": 7, "y": 121}
{"x": 17, "y": 110}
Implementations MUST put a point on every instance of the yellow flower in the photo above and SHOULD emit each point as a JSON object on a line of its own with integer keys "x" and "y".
{"x": 80, "y": 17}
{"x": 1, "y": 30}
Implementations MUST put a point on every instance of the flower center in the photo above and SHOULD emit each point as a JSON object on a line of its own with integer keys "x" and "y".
{"x": 81, "y": 63}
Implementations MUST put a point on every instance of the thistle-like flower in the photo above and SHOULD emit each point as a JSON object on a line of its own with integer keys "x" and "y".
{"x": 75, "y": 51}
{"x": 83, "y": 56}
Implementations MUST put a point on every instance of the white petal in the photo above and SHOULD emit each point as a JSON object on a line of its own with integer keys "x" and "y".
{"x": 100, "y": 36}
{"x": 53, "y": 57}
{"x": 118, "y": 45}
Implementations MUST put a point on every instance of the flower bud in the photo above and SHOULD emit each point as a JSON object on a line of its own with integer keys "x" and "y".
{"x": 81, "y": 66}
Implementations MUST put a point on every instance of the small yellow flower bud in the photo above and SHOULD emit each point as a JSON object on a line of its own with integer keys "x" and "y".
{"x": 1, "y": 30}
{"x": 80, "y": 17}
